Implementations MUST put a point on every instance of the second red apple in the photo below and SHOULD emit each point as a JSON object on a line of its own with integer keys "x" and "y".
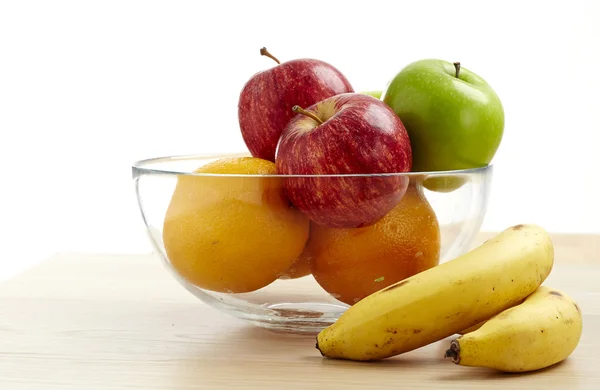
{"x": 266, "y": 100}
{"x": 353, "y": 135}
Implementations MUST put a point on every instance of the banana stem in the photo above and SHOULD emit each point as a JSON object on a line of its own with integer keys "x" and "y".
{"x": 453, "y": 352}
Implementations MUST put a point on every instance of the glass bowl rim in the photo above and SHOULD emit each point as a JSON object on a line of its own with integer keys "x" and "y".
{"x": 140, "y": 167}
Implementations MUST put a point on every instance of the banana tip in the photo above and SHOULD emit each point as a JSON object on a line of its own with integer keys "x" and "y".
{"x": 453, "y": 352}
{"x": 317, "y": 347}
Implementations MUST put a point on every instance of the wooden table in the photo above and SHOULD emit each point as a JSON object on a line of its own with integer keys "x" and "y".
{"x": 121, "y": 322}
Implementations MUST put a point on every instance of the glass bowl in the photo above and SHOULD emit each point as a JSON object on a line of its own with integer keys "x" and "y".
{"x": 235, "y": 241}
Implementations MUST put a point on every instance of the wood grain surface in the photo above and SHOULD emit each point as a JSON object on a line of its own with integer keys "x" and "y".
{"x": 81, "y": 321}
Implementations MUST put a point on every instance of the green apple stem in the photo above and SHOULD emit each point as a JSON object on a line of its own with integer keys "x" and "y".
{"x": 265, "y": 52}
{"x": 300, "y": 110}
{"x": 457, "y": 67}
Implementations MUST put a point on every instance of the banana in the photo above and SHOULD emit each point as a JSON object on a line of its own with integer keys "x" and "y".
{"x": 480, "y": 324}
{"x": 473, "y": 328}
{"x": 443, "y": 300}
{"x": 540, "y": 332}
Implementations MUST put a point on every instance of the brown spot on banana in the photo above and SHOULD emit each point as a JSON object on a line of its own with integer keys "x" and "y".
{"x": 518, "y": 227}
{"x": 389, "y": 342}
{"x": 556, "y": 293}
{"x": 393, "y": 286}
{"x": 453, "y": 315}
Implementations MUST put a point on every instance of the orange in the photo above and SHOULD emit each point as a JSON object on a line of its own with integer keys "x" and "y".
{"x": 232, "y": 233}
{"x": 353, "y": 263}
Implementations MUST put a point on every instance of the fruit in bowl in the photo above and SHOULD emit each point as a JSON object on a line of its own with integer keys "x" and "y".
{"x": 266, "y": 100}
{"x": 350, "y": 134}
{"x": 232, "y": 234}
{"x": 454, "y": 117}
{"x": 260, "y": 269}
{"x": 327, "y": 207}
{"x": 351, "y": 264}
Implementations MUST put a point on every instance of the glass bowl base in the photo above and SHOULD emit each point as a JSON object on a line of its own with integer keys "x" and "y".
{"x": 305, "y": 318}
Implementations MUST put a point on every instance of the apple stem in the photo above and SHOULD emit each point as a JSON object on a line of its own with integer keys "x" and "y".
{"x": 265, "y": 52}
{"x": 457, "y": 67}
{"x": 300, "y": 110}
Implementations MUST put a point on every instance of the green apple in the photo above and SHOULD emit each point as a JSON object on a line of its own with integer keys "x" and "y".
{"x": 454, "y": 118}
{"x": 375, "y": 94}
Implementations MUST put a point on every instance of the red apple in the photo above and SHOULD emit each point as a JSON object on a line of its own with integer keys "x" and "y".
{"x": 352, "y": 134}
{"x": 266, "y": 100}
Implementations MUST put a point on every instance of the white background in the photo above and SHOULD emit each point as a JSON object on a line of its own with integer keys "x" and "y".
{"x": 87, "y": 87}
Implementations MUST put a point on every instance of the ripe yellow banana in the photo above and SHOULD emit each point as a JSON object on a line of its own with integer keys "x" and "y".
{"x": 443, "y": 300}
{"x": 479, "y": 324}
{"x": 472, "y": 328}
{"x": 542, "y": 331}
